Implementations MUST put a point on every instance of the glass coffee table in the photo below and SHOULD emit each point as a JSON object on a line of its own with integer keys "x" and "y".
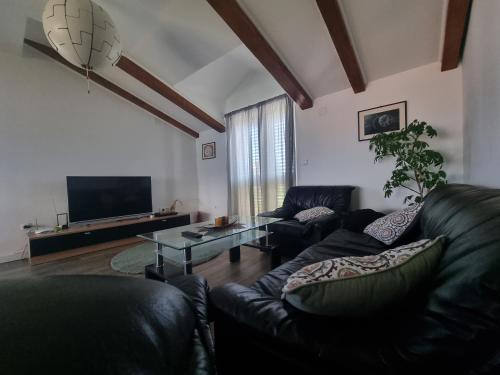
{"x": 245, "y": 230}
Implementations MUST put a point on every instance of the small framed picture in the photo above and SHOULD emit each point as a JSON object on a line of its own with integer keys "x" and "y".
{"x": 383, "y": 119}
{"x": 208, "y": 150}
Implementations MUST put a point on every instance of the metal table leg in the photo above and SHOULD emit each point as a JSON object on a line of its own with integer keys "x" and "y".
{"x": 159, "y": 258}
{"x": 188, "y": 263}
{"x": 234, "y": 254}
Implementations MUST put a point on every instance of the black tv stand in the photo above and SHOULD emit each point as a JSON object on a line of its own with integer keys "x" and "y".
{"x": 77, "y": 240}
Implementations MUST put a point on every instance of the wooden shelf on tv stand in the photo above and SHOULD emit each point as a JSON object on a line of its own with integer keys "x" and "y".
{"x": 79, "y": 228}
{"x": 87, "y": 238}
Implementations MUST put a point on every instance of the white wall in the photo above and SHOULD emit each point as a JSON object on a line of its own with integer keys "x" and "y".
{"x": 212, "y": 173}
{"x": 327, "y": 138}
{"x": 50, "y": 128}
{"x": 481, "y": 80}
{"x": 328, "y": 151}
{"x": 212, "y": 176}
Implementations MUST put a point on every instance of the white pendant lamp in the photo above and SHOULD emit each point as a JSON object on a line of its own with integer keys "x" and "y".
{"x": 82, "y": 32}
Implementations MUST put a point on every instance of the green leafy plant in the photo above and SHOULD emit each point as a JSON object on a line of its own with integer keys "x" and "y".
{"x": 418, "y": 168}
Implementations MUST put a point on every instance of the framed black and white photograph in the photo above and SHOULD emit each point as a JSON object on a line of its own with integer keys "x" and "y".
{"x": 383, "y": 119}
{"x": 208, "y": 151}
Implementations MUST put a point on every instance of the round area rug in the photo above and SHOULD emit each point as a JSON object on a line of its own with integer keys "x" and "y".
{"x": 134, "y": 260}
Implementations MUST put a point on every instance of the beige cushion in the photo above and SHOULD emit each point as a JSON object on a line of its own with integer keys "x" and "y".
{"x": 357, "y": 286}
{"x": 312, "y": 213}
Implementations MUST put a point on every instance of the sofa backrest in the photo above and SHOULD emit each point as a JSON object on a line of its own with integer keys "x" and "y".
{"x": 459, "y": 320}
{"x": 337, "y": 198}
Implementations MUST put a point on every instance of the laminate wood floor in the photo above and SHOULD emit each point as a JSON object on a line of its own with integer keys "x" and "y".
{"x": 218, "y": 271}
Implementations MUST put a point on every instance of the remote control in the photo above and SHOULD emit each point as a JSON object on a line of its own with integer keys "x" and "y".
{"x": 190, "y": 234}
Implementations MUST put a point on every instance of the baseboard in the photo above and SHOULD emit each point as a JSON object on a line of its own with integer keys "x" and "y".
{"x": 11, "y": 257}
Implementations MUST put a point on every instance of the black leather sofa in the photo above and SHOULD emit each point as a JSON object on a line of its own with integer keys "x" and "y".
{"x": 104, "y": 325}
{"x": 293, "y": 236}
{"x": 450, "y": 325}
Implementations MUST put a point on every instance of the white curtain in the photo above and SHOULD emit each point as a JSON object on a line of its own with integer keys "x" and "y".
{"x": 261, "y": 156}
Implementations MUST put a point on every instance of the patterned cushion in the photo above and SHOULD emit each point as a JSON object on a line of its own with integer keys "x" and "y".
{"x": 391, "y": 227}
{"x": 357, "y": 286}
{"x": 312, "y": 213}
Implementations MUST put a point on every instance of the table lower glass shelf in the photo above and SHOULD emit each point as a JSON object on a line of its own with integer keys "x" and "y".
{"x": 205, "y": 250}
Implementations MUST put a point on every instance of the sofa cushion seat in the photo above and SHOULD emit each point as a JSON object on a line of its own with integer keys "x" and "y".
{"x": 338, "y": 244}
{"x": 268, "y": 289}
{"x": 261, "y": 309}
{"x": 289, "y": 228}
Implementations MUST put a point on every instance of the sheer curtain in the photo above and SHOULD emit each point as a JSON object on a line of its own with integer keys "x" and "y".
{"x": 261, "y": 156}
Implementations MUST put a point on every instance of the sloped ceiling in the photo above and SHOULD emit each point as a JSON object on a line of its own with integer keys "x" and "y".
{"x": 392, "y": 36}
{"x": 297, "y": 32}
{"x": 188, "y": 46}
{"x": 389, "y": 36}
{"x": 173, "y": 38}
{"x": 213, "y": 83}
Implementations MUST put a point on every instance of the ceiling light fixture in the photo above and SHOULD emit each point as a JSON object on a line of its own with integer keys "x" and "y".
{"x": 82, "y": 32}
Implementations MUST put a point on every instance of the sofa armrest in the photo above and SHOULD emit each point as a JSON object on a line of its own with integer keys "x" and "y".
{"x": 197, "y": 289}
{"x": 281, "y": 212}
{"x": 249, "y": 307}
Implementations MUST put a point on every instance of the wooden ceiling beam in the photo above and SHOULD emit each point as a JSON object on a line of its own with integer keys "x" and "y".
{"x": 332, "y": 15}
{"x": 244, "y": 28}
{"x": 164, "y": 90}
{"x": 112, "y": 87}
{"x": 457, "y": 15}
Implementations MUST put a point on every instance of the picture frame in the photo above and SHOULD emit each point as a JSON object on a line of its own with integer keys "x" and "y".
{"x": 208, "y": 151}
{"x": 383, "y": 119}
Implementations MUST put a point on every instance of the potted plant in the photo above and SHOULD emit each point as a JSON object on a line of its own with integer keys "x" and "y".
{"x": 418, "y": 168}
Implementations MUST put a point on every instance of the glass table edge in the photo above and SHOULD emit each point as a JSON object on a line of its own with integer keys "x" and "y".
{"x": 180, "y": 248}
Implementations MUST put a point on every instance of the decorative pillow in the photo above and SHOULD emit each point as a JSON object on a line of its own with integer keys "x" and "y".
{"x": 359, "y": 286}
{"x": 312, "y": 213}
{"x": 390, "y": 228}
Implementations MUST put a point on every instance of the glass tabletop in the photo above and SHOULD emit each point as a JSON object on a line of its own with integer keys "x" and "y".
{"x": 173, "y": 237}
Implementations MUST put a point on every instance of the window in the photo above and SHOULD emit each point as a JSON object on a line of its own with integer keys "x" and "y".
{"x": 261, "y": 155}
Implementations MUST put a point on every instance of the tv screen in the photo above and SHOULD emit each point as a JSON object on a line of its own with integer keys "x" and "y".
{"x": 93, "y": 198}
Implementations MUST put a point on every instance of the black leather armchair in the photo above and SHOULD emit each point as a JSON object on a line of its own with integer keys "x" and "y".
{"x": 451, "y": 325}
{"x": 104, "y": 325}
{"x": 293, "y": 236}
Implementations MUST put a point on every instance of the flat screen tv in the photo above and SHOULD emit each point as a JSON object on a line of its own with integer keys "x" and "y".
{"x": 96, "y": 198}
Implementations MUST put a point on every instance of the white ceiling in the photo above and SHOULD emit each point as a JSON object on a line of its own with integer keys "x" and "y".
{"x": 187, "y": 45}
{"x": 392, "y": 36}
{"x": 389, "y": 36}
{"x": 297, "y": 32}
{"x": 173, "y": 38}
{"x": 215, "y": 82}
